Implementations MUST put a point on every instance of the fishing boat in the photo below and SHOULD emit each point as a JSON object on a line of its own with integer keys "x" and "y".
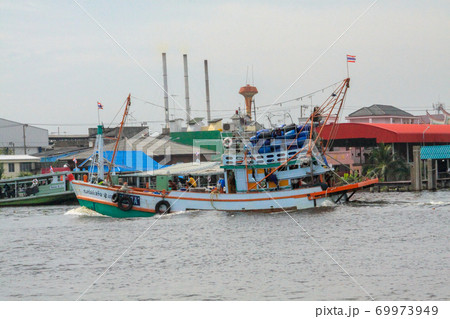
{"x": 275, "y": 170}
{"x": 43, "y": 189}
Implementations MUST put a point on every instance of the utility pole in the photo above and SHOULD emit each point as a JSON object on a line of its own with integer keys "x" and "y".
{"x": 24, "y": 126}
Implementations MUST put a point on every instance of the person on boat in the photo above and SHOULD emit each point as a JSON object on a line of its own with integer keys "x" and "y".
{"x": 274, "y": 179}
{"x": 191, "y": 182}
{"x": 172, "y": 185}
{"x": 221, "y": 185}
{"x": 7, "y": 191}
{"x": 125, "y": 187}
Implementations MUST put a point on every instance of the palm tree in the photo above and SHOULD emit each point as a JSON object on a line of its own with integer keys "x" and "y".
{"x": 385, "y": 164}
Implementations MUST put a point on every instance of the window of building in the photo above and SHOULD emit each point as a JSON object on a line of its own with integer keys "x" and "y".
{"x": 11, "y": 167}
{"x": 25, "y": 167}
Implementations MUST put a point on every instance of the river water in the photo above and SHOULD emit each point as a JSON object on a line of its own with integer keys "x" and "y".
{"x": 382, "y": 246}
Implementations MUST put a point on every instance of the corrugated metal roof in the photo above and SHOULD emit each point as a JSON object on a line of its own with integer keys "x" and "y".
{"x": 390, "y": 133}
{"x": 203, "y": 168}
{"x": 435, "y": 152}
{"x": 13, "y": 158}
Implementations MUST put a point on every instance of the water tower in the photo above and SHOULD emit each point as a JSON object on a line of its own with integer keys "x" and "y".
{"x": 248, "y": 92}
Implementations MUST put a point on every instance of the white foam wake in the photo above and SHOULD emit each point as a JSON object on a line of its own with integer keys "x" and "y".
{"x": 83, "y": 211}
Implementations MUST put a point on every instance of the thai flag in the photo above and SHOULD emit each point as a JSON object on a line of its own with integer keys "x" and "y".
{"x": 51, "y": 169}
{"x": 351, "y": 58}
{"x": 100, "y": 106}
{"x": 75, "y": 160}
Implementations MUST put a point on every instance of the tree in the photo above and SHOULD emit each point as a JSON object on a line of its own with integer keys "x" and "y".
{"x": 386, "y": 165}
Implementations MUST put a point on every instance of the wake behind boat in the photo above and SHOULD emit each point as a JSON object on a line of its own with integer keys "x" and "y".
{"x": 274, "y": 170}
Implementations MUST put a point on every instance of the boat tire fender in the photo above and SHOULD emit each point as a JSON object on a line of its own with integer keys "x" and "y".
{"x": 125, "y": 203}
{"x": 115, "y": 197}
{"x": 227, "y": 142}
{"x": 162, "y": 207}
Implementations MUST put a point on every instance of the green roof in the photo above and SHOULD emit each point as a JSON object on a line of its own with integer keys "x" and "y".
{"x": 435, "y": 152}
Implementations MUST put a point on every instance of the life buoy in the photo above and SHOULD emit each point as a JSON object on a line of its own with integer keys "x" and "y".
{"x": 162, "y": 207}
{"x": 227, "y": 142}
{"x": 35, "y": 182}
{"x": 125, "y": 203}
{"x": 115, "y": 197}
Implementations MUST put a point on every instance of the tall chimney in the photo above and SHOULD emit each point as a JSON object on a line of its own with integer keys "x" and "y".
{"x": 186, "y": 89}
{"x": 166, "y": 90}
{"x": 248, "y": 92}
{"x": 208, "y": 106}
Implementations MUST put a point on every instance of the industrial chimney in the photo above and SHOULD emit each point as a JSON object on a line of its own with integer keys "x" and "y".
{"x": 248, "y": 92}
{"x": 208, "y": 106}
{"x": 186, "y": 89}
{"x": 166, "y": 94}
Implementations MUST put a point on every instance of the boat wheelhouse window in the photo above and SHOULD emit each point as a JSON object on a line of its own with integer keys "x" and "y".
{"x": 11, "y": 167}
{"x": 291, "y": 167}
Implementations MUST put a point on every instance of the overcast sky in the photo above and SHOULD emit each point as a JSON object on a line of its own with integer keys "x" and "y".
{"x": 56, "y": 62}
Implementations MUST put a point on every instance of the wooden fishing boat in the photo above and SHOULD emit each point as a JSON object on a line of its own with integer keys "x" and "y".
{"x": 279, "y": 170}
{"x": 44, "y": 189}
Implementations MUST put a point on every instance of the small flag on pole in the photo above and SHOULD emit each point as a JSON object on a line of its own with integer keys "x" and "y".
{"x": 51, "y": 169}
{"x": 351, "y": 58}
{"x": 100, "y": 106}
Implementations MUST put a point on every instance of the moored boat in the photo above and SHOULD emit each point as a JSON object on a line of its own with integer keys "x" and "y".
{"x": 44, "y": 189}
{"x": 274, "y": 170}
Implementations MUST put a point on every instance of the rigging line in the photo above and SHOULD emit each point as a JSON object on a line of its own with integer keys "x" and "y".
{"x": 109, "y": 126}
{"x": 300, "y": 97}
{"x": 148, "y": 102}
{"x": 320, "y": 56}
{"x": 126, "y": 52}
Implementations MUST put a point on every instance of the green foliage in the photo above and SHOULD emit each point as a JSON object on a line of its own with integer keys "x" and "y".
{"x": 353, "y": 177}
{"x": 2, "y": 170}
{"x": 23, "y": 174}
{"x": 385, "y": 165}
{"x": 6, "y": 151}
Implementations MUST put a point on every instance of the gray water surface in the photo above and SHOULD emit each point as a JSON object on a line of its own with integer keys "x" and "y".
{"x": 385, "y": 246}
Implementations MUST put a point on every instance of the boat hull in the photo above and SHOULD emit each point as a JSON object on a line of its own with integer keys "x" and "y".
{"x": 48, "y": 199}
{"x": 145, "y": 202}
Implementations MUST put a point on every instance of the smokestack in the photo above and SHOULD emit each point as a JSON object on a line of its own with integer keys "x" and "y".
{"x": 208, "y": 106}
{"x": 166, "y": 90}
{"x": 186, "y": 89}
{"x": 248, "y": 92}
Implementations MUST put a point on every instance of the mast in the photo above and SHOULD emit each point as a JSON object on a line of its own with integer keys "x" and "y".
{"x": 98, "y": 157}
{"x": 336, "y": 98}
{"x": 125, "y": 114}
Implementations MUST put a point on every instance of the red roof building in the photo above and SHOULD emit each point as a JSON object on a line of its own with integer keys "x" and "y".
{"x": 388, "y": 133}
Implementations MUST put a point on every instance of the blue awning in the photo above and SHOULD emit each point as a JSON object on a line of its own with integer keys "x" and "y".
{"x": 435, "y": 152}
{"x": 130, "y": 161}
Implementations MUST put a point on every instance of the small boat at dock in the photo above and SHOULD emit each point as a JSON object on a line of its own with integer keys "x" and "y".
{"x": 44, "y": 189}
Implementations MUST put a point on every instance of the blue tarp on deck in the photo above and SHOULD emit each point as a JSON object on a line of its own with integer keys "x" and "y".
{"x": 435, "y": 152}
{"x": 131, "y": 161}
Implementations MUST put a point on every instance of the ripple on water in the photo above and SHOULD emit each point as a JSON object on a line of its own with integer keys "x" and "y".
{"x": 393, "y": 244}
